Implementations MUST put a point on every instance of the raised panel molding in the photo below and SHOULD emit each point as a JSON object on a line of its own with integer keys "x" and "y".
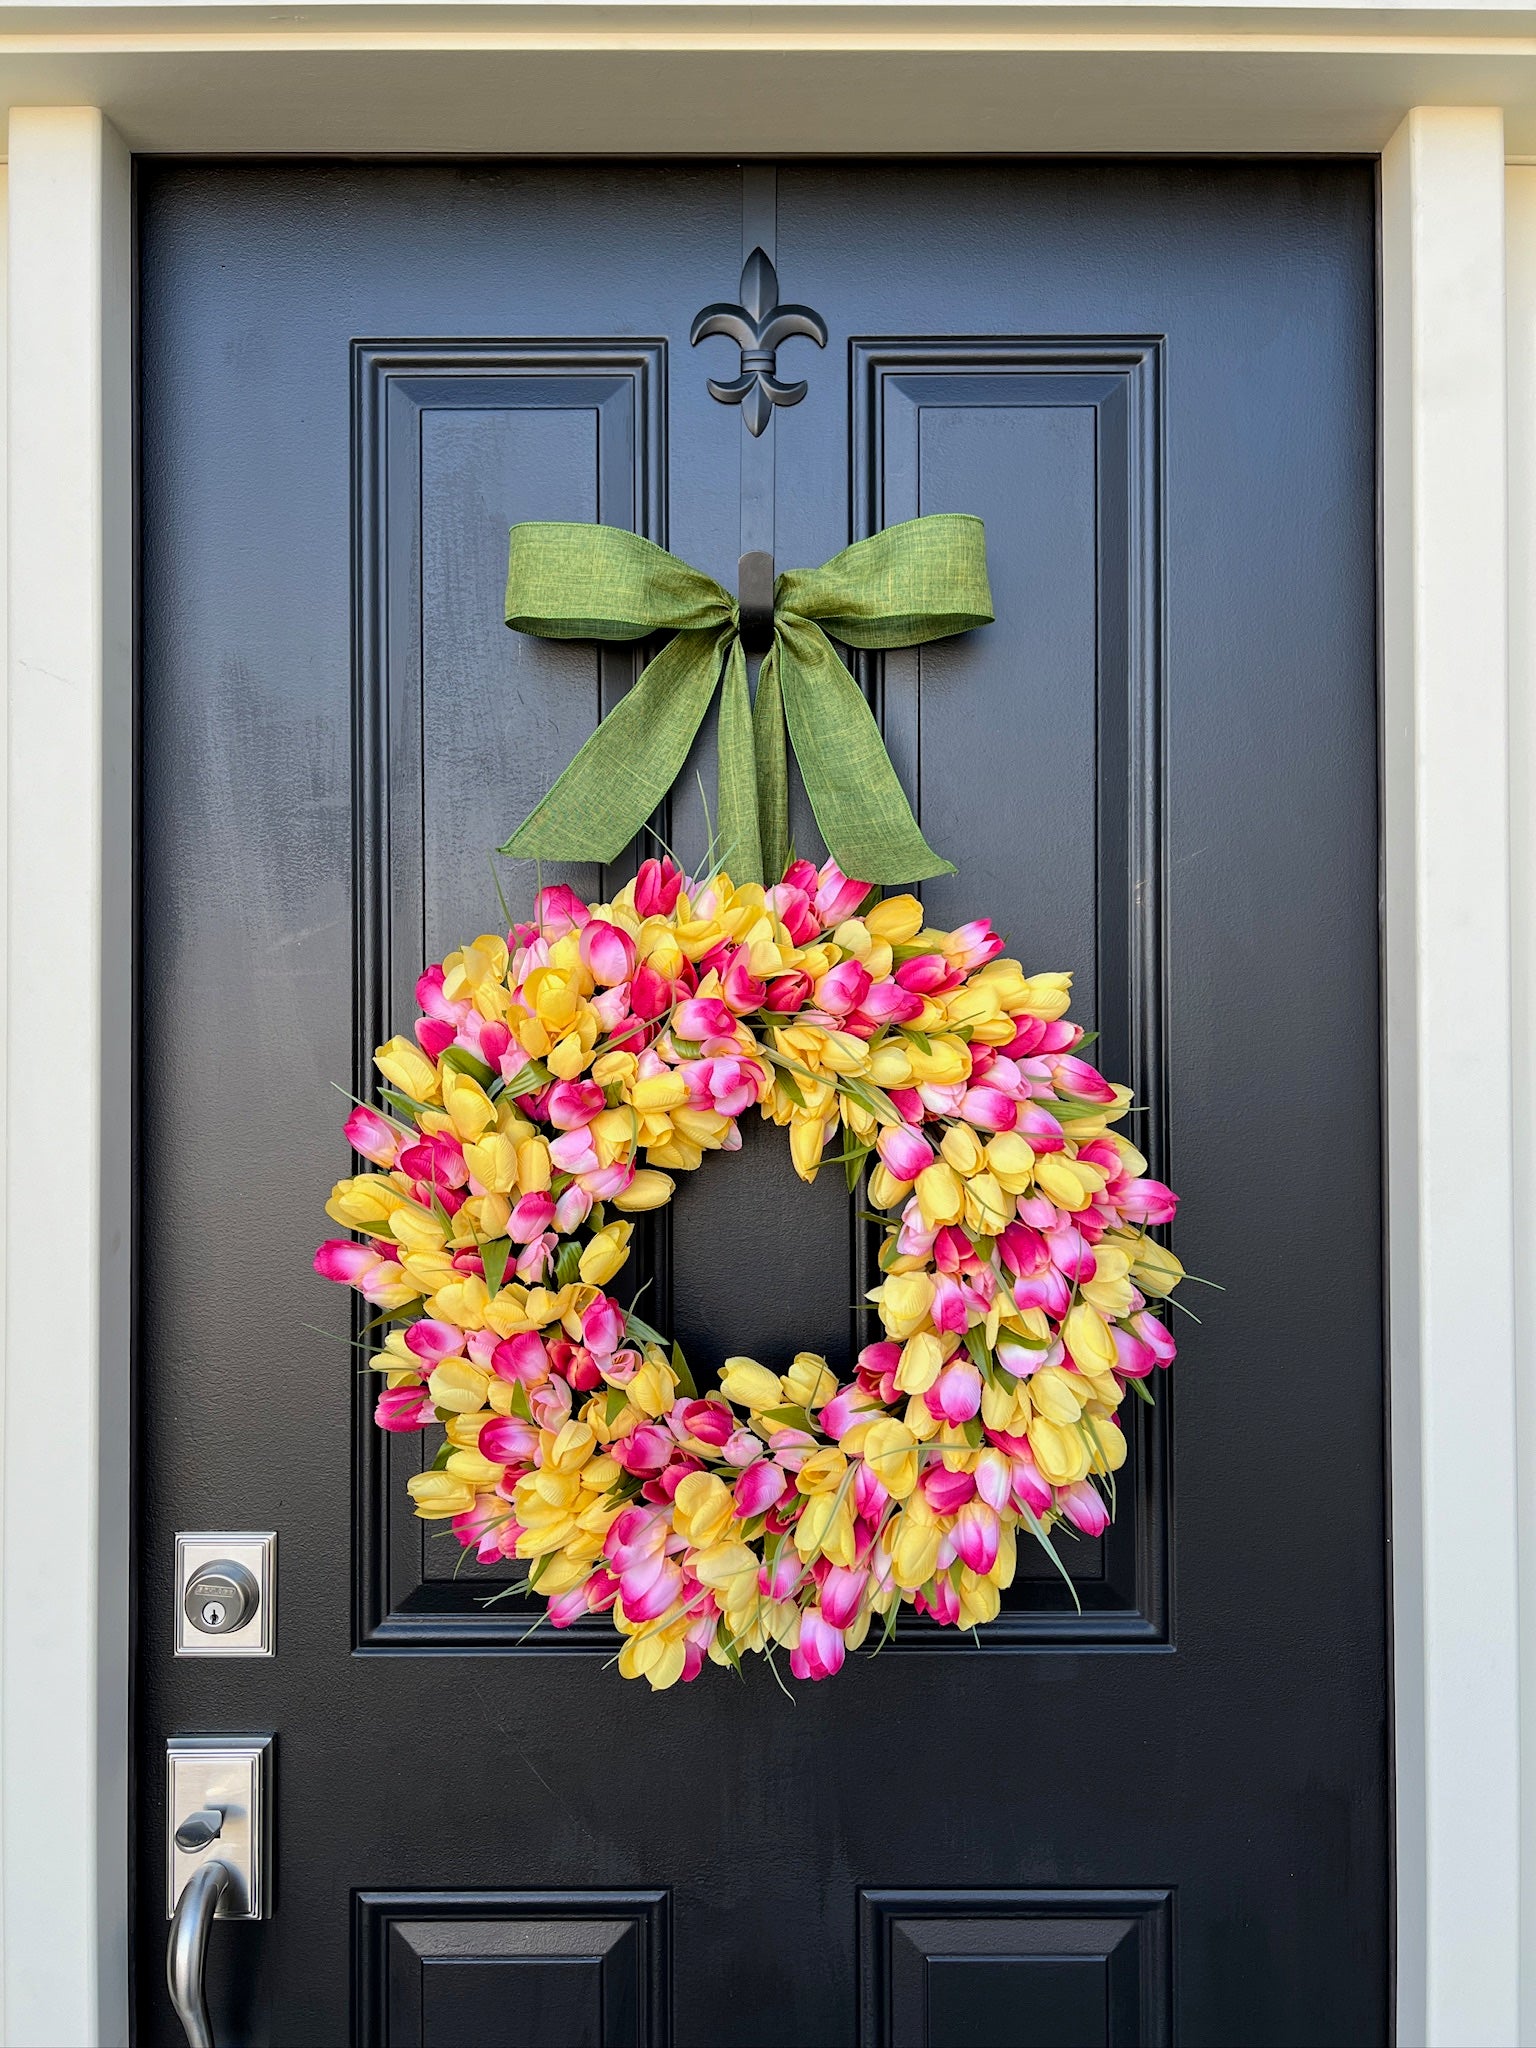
{"x": 452, "y": 441}
{"x": 1086, "y": 412}
{"x": 1015, "y": 1969}
{"x": 511, "y": 1969}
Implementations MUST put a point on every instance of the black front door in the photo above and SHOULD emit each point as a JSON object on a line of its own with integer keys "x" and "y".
{"x": 1160, "y": 1818}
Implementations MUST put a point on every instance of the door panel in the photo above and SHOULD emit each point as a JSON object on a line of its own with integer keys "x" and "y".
{"x": 1123, "y": 1823}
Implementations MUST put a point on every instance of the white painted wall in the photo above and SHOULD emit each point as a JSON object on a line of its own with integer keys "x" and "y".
{"x": 66, "y": 1183}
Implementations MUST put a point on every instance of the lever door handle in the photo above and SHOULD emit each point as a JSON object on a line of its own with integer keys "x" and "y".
{"x": 184, "y": 1958}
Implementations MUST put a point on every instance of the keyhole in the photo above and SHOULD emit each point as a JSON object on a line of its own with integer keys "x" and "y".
{"x": 213, "y": 1614}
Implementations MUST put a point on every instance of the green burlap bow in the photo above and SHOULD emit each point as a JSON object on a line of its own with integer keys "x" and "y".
{"x": 919, "y": 581}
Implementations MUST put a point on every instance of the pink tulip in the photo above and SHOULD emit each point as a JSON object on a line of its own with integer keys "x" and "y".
{"x": 1083, "y": 1508}
{"x": 955, "y": 1395}
{"x": 650, "y": 993}
{"x": 976, "y": 1536}
{"x": 939, "y": 1599}
{"x": 550, "y": 1405}
{"x": 706, "y": 1019}
{"x": 845, "y": 1411}
{"x": 340, "y": 1259}
{"x": 434, "y": 1035}
{"x": 1047, "y": 1290}
{"x": 887, "y": 1002}
{"x": 1018, "y": 1359}
{"x": 837, "y": 897}
{"x": 1071, "y": 1254}
{"x": 507, "y": 1441}
{"x": 649, "y": 1588}
{"x": 532, "y": 1216}
{"x": 759, "y": 1487}
{"x": 1077, "y": 1078}
{"x": 607, "y": 952}
{"x": 842, "y": 988}
{"x": 1036, "y": 1124}
{"x": 404, "y": 1408}
{"x": 430, "y": 999}
{"x": 795, "y": 910}
{"x": 1023, "y": 1251}
{"x": 820, "y": 1650}
{"x": 1133, "y": 1359}
{"x": 710, "y": 1422}
{"x": 374, "y": 1136}
{"x": 904, "y": 1152}
{"x": 1146, "y": 1201}
{"x": 522, "y": 1358}
{"x": 787, "y": 992}
{"x": 801, "y": 874}
{"x": 573, "y": 1104}
{"x": 1155, "y": 1336}
{"x": 777, "y": 1581}
{"x": 437, "y": 1162}
{"x": 1029, "y": 1489}
{"x": 988, "y": 1109}
{"x": 657, "y": 887}
{"x": 644, "y": 1450}
{"x": 558, "y": 910}
{"x": 948, "y": 1312}
{"x": 572, "y": 1209}
{"x": 434, "y": 1341}
{"x": 926, "y": 974}
{"x": 871, "y": 1496}
{"x": 728, "y": 1086}
{"x": 740, "y": 989}
{"x": 574, "y": 1152}
{"x": 602, "y": 1326}
{"x": 602, "y": 1183}
{"x": 973, "y": 945}
{"x": 946, "y": 1492}
{"x": 842, "y": 1594}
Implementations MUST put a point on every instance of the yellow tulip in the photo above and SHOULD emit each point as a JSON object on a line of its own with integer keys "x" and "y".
{"x": 1111, "y": 1443}
{"x": 963, "y": 1149}
{"x": 653, "y": 1658}
{"x": 914, "y": 1549}
{"x": 462, "y": 1301}
{"x": 809, "y": 1382}
{"x": 905, "y": 1299}
{"x": 1057, "y": 1395}
{"x": 653, "y": 1388}
{"x": 1011, "y": 1161}
{"x": 946, "y": 1062}
{"x": 646, "y": 1191}
{"x": 467, "y": 1103}
{"x": 885, "y": 1191}
{"x": 415, "y": 1230}
{"x": 822, "y": 1472}
{"x": 750, "y": 1385}
{"x": 493, "y": 1162}
{"x": 474, "y": 1470}
{"x": 1064, "y": 1181}
{"x": 897, "y": 919}
{"x": 1156, "y": 1269}
{"x": 571, "y": 1448}
{"x": 568, "y": 1055}
{"x": 702, "y": 1509}
{"x": 889, "y": 1065}
{"x": 458, "y": 1385}
{"x": 438, "y": 1495}
{"x": 1088, "y": 1337}
{"x": 940, "y": 1195}
{"x": 564, "y": 1574}
{"x": 890, "y": 1451}
{"x": 406, "y": 1067}
{"x": 825, "y": 1528}
{"x": 463, "y": 1431}
{"x": 676, "y": 1151}
{"x": 606, "y": 1253}
{"x": 1060, "y": 1452}
{"x": 988, "y": 1212}
{"x": 534, "y": 1171}
{"x": 660, "y": 1091}
{"x": 364, "y": 1203}
{"x": 979, "y": 1600}
{"x": 922, "y": 1359}
{"x": 807, "y": 1140}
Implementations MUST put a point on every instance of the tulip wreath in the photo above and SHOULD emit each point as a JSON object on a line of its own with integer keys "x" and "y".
{"x": 557, "y": 1079}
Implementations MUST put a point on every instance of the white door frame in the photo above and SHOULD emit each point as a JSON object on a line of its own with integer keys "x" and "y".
{"x": 1434, "y": 94}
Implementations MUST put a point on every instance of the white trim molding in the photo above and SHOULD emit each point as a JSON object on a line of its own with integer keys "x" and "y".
{"x": 1445, "y": 827}
{"x": 1442, "y": 93}
{"x": 68, "y": 1079}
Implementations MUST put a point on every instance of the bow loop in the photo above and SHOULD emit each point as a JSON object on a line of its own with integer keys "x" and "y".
{"x": 915, "y": 582}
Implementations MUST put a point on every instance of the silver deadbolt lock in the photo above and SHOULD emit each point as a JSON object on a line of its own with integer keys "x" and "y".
{"x": 221, "y": 1596}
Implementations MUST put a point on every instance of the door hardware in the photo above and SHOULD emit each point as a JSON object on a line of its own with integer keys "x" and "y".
{"x": 754, "y": 595}
{"x": 226, "y": 1594}
{"x": 757, "y": 325}
{"x": 218, "y": 1855}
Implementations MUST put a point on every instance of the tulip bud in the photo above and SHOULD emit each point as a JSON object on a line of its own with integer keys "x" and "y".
{"x": 648, "y": 1190}
{"x": 905, "y": 1299}
{"x": 897, "y": 919}
{"x": 406, "y": 1067}
{"x": 809, "y": 1382}
{"x": 922, "y": 1358}
{"x": 458, "y": 1385}
{"x": 750, "y": 1385}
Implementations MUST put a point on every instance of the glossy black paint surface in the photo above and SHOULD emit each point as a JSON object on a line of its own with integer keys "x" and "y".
{"x": 1163, "y": 1819}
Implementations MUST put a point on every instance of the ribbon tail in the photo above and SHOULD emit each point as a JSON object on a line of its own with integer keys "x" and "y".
{"x": 859, "y": 803}
{"x": 740, "y": 845}
{"x": 771, "y": 748}
{"x": 622, "y": 774}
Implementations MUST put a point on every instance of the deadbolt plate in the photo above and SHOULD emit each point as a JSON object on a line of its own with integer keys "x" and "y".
{"x": 234, "y": 1774}
{"x": 255, "y": 1553}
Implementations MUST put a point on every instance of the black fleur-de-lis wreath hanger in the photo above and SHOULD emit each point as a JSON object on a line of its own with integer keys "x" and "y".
{"x": 757, "y": 326}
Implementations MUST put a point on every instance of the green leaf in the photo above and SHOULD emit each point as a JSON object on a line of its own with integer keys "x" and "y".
{"x": 462, "y": 1061}
{"x": 444, "y": 1452}
{"x": 493, "y": 1257}
{"x": 517, "y": 1400}
{"x": 1141, "y": 1393}
{"x": 853, "y": 1166}
{"x": 684, "y": 1376}
{"x": 637, "y": 1326}
{"x": 567, "y": 1263}
{"x": 791, "y": 1087}
{"x": 920, "y": 1039}
{"x": 789, "y": 1417}
{"x": 406, "y": 1104}
{"x": 614, "y": 1404}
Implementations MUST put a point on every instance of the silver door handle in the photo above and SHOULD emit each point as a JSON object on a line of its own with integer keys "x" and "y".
{"x": 184, "y": 1958}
